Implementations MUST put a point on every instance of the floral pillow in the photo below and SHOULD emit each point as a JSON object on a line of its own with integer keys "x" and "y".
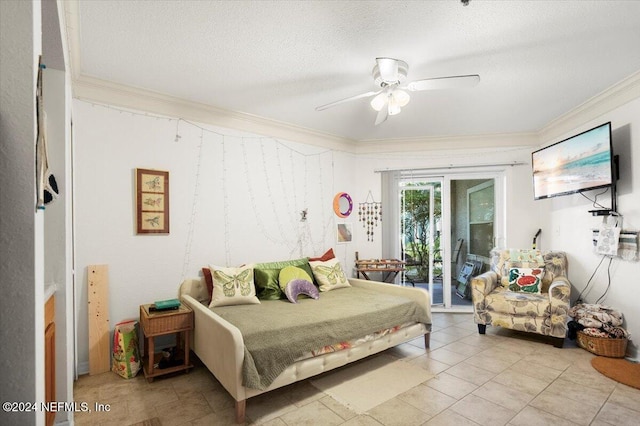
{"x": 329, "y": 274}
{"x": 233, "y": 286}
{"x": 526, "y": 280}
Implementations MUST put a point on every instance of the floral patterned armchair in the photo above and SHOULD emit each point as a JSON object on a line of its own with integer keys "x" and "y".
{"x": 503, "y": 296}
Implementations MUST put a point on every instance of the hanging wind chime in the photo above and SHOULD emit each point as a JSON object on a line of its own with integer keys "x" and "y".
{"x": 370, "y": 213}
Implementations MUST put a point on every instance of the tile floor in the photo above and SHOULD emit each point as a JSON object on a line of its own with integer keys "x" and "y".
{"x": 501, "y": 378}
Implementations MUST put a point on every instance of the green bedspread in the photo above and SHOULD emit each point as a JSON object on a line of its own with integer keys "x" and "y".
{"x": 277, "y": 332}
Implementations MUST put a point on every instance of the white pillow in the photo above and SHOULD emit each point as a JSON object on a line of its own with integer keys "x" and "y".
{"x": 329, "y": 274}
{"x": 232, "y": 286}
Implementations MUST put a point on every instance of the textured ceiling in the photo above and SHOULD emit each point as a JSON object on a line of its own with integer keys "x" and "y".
{"x": 280, "y": 59}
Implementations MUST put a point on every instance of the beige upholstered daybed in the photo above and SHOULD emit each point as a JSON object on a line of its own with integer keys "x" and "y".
{"x": 221, "y": 347}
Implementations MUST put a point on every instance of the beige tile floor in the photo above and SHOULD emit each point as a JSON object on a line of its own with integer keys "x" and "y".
{"x": 501, "y": 378}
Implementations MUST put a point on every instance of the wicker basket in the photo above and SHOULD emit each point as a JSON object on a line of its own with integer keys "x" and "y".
{"x": 603, "y": 346}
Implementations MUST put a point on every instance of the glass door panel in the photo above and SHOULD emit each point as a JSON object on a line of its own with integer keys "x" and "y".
{"x": 472, "y": 230}
{"x": 481, "y": 205}
{"x": 420, "y": 236}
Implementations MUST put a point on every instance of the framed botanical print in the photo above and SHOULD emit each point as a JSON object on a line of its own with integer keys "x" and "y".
{"x": 152, "y": 201}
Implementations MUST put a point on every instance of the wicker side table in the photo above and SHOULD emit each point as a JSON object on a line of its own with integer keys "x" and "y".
{"x": 154, "y": 324}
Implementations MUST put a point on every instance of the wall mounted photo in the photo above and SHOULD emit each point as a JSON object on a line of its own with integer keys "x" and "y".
{"x": 344, "y": 233}
{"x": 152, "y": 201}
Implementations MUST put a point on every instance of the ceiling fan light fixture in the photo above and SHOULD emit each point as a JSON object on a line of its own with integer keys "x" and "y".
{"x": 379, "y": 101}
{"x": 399, "y": 97}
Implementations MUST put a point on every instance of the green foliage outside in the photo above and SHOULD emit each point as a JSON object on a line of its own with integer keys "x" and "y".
{"x": 417, "y": 228}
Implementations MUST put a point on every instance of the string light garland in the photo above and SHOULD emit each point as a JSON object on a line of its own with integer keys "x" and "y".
{"x": 192, "y": 220}
{"x": 301, "y": 237}
{"x": 225, "y": 205}
{"x": 370, "y": 214}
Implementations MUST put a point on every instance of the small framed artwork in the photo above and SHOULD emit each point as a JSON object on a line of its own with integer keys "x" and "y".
{"x": 152, "y": 201}
{"x": 344, "y": 233}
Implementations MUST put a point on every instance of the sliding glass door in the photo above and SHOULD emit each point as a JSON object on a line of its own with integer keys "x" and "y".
{"x": 445, "y": 227}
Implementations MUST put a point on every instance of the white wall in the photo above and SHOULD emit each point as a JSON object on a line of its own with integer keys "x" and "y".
{"x": 569, "y": 223}
{"x": 21, "y": 228}
{"x": 234, "y": 199}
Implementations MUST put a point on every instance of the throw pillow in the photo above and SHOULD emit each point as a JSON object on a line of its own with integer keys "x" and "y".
{"x": 295, "y": 281}
{"x": 290, "y": 273}
{"x": 208, "y": 281}
{"x": 267, "y": 281}
{"x": 329, "y": 274}
{"x": 527, "y": 280}
{"x": 517, "y": 258}
{"x": 233, "y": 286}
{"x": 526, "y": 255}
{"x": 300, "y": 286}
{"x": 326, "y": 256}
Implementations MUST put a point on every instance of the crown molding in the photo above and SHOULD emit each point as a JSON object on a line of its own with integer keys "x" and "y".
{"x": 435, "y": 143}
{"x": 91, "y": 89}
{"x": 611, "y": 98}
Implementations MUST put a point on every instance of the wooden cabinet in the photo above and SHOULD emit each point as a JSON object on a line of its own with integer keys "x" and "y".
{"x": 50, "y": 357}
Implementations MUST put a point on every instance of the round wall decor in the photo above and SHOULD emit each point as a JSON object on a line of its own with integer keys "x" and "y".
{"x": 342, "y": 204}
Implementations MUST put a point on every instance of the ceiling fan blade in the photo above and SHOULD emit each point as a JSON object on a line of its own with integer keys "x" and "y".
{"x": 382, "y": 114}
{"x": 388, "y": 68}
{"x": 352, "y": 98}
{"x": 454, "y": 82}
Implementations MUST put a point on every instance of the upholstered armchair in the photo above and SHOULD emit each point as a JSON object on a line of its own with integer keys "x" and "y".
{"x": 524, "y": 290}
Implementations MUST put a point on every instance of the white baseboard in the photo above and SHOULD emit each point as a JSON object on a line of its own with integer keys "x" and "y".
{"x": 83, "y": 368}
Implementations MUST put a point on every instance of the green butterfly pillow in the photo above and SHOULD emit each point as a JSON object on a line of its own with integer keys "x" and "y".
{"x": 232, "y": 286}
{"x": 329, "y": 274}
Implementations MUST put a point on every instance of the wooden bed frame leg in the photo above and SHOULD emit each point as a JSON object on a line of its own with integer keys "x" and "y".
{"x": 240, "y": 409}
{"x": 427, "y": 337}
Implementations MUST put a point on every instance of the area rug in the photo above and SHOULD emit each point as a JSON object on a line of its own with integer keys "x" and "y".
{"x": 618, "y": 369}
{"x": 368, "y": 383}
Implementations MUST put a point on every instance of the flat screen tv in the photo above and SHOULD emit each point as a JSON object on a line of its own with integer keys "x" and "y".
{"x": 579, "y": 163}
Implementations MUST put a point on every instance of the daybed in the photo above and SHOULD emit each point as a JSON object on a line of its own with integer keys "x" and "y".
{"x": 221, "y": 347}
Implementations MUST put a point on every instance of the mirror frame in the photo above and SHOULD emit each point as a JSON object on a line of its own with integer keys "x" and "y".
{"x": 336, "y": 204}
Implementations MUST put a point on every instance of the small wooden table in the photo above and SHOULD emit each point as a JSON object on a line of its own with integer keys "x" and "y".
{"x": 388, "y": 267}
{"x": 154, "y": 324}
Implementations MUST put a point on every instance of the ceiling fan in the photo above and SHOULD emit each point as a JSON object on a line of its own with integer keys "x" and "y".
{"x": 389, "y": 74}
